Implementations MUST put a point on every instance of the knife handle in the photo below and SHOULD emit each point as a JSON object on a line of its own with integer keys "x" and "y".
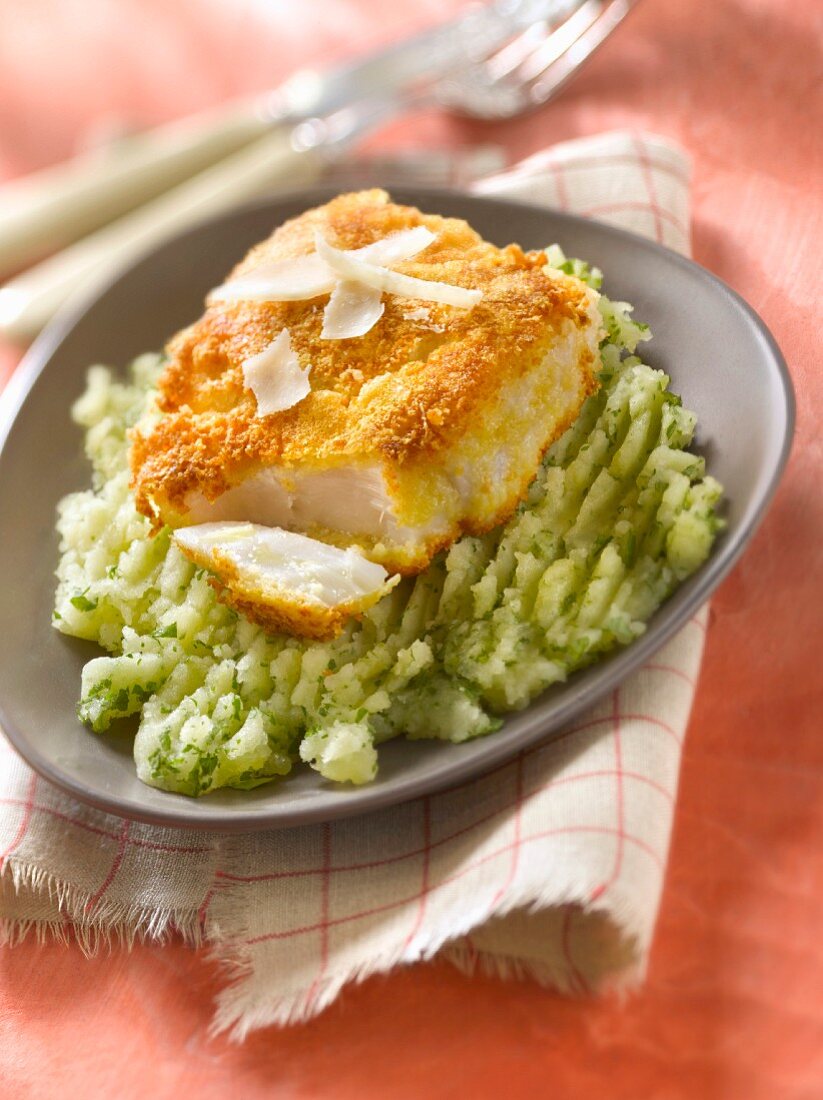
{"x": 29, "y": 301}
{"x": 47, "y": 210}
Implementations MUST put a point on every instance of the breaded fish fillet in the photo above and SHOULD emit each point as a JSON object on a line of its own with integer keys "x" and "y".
{"x": 430, "y": 425}
{"x": 282, "y": 580}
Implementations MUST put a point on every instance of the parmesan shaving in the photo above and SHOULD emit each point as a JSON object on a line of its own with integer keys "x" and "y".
{"x": 304, "y": 277}
{"x": 353, "y": 310}
{"x": 348, "y": 266}
{"x": 404, "y": 245}
{"x": 294, "y": 280}
{"x": 275, "y": 376}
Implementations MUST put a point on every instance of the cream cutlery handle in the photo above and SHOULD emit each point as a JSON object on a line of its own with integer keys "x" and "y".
{"x": 51, "y": 208}
{"x": 28, "y": 302}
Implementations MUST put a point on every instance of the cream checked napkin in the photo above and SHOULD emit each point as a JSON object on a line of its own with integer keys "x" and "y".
{"x": 551, "y": 867}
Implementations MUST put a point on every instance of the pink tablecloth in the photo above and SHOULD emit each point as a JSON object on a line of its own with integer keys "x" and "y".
{"x": 733, "y": 1004}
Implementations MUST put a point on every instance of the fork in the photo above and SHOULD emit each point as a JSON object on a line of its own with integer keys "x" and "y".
{"x": 536, "y": 64}
{"x": 522, "y": 74}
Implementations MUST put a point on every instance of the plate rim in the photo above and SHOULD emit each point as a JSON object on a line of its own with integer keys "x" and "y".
{"x": 610, "y": 671}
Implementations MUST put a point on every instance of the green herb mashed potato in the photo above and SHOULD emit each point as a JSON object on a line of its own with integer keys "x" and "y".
{"x": 619, "y": 514}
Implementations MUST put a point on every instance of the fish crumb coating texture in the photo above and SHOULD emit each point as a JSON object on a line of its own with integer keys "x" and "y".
{"x": 431, "y": 425}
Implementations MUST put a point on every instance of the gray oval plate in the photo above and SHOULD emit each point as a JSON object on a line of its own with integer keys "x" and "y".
{"x": 722, "y": 361}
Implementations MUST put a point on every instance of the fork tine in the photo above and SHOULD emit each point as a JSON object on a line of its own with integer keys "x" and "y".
{"x": 533, "y": 64}
{"x": 558, "y": 41}
{"x": 506, "y": 59}
{"x": 564, "y": 50}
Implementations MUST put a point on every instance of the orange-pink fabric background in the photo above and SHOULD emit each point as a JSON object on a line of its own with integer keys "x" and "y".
{"x": 733, "y": 1006}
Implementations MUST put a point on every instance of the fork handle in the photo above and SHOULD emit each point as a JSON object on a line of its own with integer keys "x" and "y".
{"x": 45, "y": 211}
{"x": 28, "y": 302}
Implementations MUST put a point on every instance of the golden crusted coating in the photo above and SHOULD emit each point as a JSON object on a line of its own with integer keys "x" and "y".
{"x": 405, "y": 391}
{"x": 318, "y": 624}
{"x": 279, "y": 609}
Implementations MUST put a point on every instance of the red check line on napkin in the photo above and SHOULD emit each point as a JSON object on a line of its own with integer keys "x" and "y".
{"x": 562, "y": 170}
